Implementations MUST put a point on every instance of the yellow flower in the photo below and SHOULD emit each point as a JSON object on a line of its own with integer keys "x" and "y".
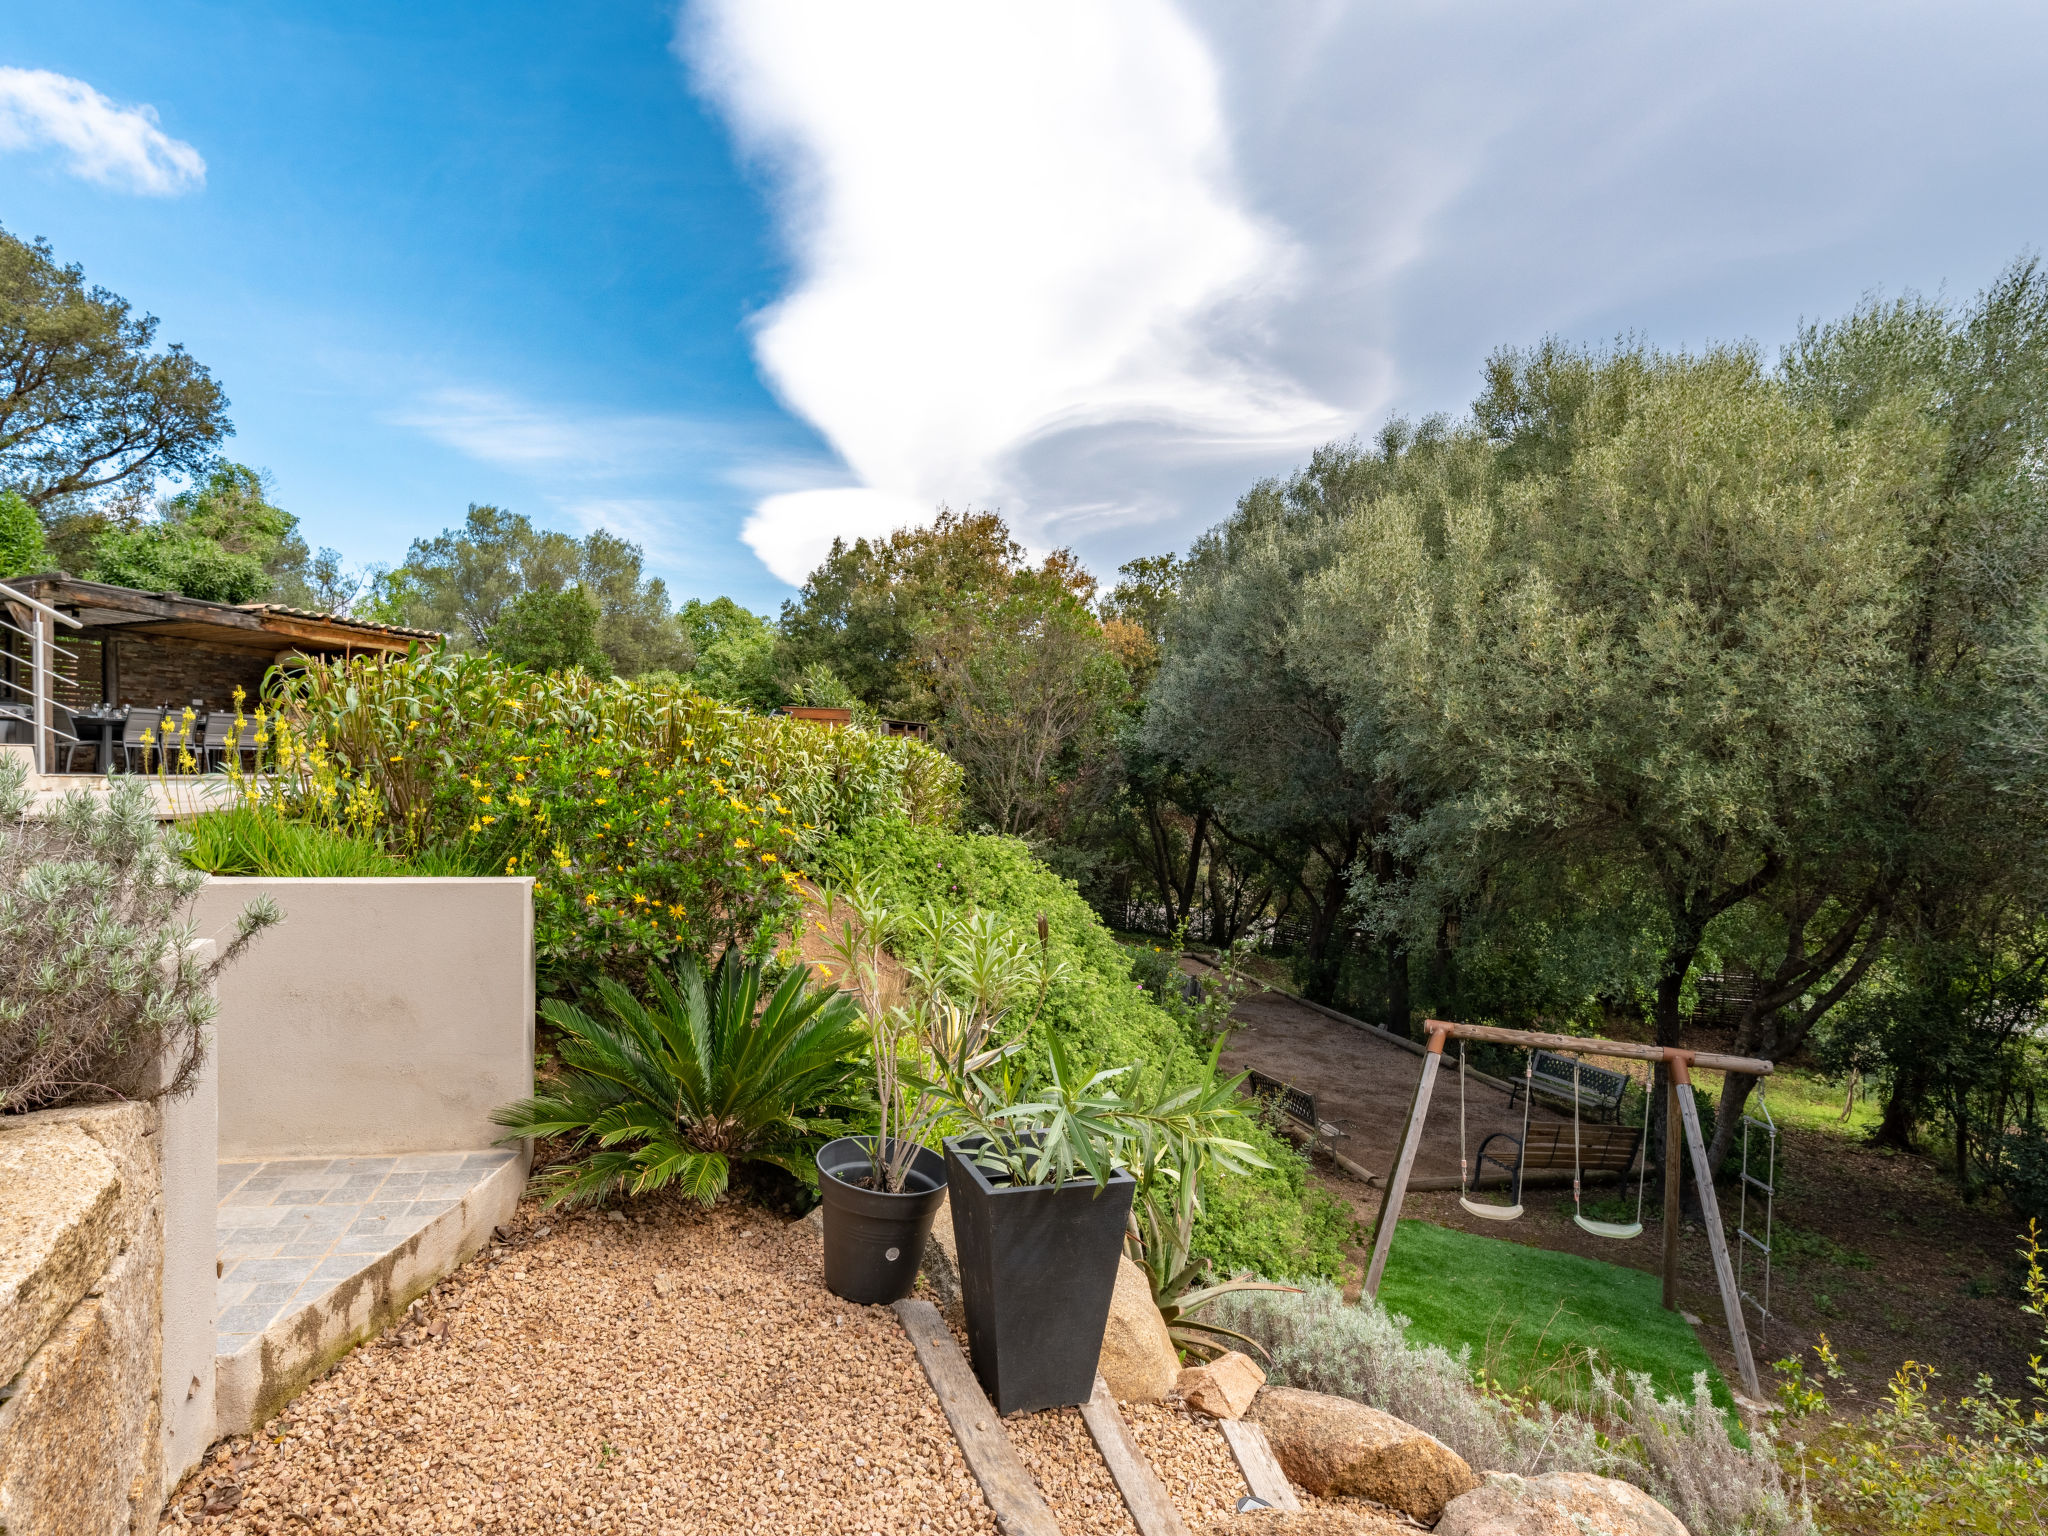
{"x": 741, "y": 842}
{"x": 489, "y": 819}
{"x": 590, "y": 898}
{"x": 767, "y": 858}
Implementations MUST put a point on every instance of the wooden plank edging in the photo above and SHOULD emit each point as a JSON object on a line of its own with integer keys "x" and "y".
{"x": 1012, "y": 1493}
{"x": 1145, "y": 1496}
{"x": 1261, "y": 1468}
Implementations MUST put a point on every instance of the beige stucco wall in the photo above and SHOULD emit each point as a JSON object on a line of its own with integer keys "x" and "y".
{"x": 382, "y": 1015}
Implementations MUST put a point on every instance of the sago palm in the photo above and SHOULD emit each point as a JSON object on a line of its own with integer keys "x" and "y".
{"x": 675, "y": 1089}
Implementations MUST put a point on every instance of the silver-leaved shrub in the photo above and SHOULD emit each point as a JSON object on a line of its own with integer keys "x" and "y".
{"x": 102, "y": 995}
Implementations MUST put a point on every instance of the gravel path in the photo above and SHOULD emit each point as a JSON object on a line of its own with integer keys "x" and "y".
{"x": 682, "y": 1372}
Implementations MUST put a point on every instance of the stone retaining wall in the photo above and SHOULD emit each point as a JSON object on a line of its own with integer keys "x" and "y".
{"x": 81, "y": 1320}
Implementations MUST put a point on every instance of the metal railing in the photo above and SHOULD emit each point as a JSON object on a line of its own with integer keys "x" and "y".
{"x": 44, "y": 674}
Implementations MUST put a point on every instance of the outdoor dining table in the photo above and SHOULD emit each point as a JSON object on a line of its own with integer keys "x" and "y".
{"x": 107, "y": 723}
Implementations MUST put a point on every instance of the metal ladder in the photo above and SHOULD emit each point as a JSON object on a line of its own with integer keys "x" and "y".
{"x": 1767, "y": 1188}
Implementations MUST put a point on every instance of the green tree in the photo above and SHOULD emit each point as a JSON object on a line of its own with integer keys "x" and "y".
{"x": 733, "y": 652}
{"x": 90, "y": 406}
{"x": 21, "y": 536}
{"x": 550, "y": 632}
{"x": 1726, "y": 636}
{"x": 461, "y": 581}
{"x": 1252, "y": 697}
{"x": 864, "y": 611}
{"x": 1027, "y": 690}
{"x": 223, "y": 539}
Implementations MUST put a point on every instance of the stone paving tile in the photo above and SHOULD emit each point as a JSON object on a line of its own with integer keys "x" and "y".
{"x": 229, "y": 1175}
{"x": 289, "y": 1230}
{"x": 429, "y": 1162}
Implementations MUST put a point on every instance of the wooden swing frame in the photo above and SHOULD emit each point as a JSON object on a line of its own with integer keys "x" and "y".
{"x": 1684, "y": 1113}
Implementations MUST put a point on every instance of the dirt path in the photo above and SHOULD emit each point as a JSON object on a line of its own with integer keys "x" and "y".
{"x": 1364, "y": 1084}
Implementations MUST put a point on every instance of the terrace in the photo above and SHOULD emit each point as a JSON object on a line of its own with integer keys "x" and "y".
{"x": 87, "y": 668}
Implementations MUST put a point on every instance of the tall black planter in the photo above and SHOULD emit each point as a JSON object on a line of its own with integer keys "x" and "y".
{"x": 1037, "y": 1266}
{"x": 874, "y": 1241}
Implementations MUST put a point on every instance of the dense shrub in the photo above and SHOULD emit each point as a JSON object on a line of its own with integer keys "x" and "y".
{"x": 654, "y": 821}
{"x": 1273, "y": 1221}
{"x": 100, "y": 994}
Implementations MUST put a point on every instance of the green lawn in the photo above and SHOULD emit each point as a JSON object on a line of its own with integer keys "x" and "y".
{"x": 1538, "y": 1321}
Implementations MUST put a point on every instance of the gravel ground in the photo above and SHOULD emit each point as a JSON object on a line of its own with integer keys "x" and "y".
{"x": 682, "y": 1372}
{"x": 1186, "y": 1450}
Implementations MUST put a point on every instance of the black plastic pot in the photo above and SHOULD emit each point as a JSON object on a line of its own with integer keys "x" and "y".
{"x": 875, "y": 1241}
{"x": 1037, "y": 1267}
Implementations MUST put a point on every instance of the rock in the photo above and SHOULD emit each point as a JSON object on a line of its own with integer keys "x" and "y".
{"x": 814, "y": 1219}
{"x": 1313, "y": 1522}
{"x": 1557, "y": 1504}
{"x": 81, "y": 1444}
{"x": 940, "y": 1267}
{"x": 664, "y": 1283}
{"x": 1333, "y": 1446}
{"x": 1138, "y": 1359}
{"x": 60, "y": 1208}
{"x": 1223, "y": 1388}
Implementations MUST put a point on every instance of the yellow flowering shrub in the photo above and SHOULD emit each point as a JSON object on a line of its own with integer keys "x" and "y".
{"x": 652, "y": 819}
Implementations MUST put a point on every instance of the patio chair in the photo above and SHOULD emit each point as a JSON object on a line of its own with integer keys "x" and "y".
{"x": 141, "y": 722}
{"x": 69, "y": 741}
{"x": 213, "y": 745}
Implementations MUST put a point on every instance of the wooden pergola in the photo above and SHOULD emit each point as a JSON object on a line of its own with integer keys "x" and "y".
{"x": 1683, "y": 1119}
{"x": 52, "y": 626}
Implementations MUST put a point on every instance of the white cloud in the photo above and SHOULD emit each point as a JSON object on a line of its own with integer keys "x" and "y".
{"x": 118, "y": 147}
{"x": 512, "y": 433}
{"x": 1106, "y": 264}
{"x": 793, "y": 531}
{"x": 1014, "y": 226}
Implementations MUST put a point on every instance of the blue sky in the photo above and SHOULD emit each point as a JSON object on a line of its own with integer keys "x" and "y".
{"x": 734, "y": 278}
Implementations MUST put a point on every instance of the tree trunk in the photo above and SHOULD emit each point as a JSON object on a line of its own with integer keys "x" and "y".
{"x": 1400, "y": 1014}
{"x": 1728, "y": 1117}
{"x": 1902, "y": 1108}
{"x": 1961, "y": 1110}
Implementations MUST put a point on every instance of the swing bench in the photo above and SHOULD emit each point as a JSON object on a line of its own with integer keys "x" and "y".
{"x": 1602, "y": 1149}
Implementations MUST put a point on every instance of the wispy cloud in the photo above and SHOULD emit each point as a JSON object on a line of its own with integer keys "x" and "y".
{"x": 115, "y": 146}
{"x": 1014, "y": 226}
{"x": 514, "y": 433}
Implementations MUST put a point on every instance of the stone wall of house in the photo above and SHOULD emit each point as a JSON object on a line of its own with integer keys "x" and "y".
{"x": 178, "y": 671}
{"x": 81, "y": 1310}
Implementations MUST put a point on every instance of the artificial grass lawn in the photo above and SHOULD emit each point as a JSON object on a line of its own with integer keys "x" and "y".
{"x": 1538, "y": 1321}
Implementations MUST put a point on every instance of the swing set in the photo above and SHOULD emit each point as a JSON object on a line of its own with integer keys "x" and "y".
{"x": 1683, "y": 1119}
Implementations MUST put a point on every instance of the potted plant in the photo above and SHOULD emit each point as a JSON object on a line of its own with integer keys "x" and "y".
{"x": 1041, "y": 1201}
{"x": 882, "y": 1192}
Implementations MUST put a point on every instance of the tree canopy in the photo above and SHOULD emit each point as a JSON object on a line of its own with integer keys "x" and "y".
{"x": 462, "y": 581}
{"x": 89, "y": 405}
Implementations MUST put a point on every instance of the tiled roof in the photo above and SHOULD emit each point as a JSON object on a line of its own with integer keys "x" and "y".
{"x": 341, "y": 618}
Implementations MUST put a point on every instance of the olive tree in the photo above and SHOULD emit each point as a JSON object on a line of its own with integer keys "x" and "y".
{"x": 1741, "y": 638}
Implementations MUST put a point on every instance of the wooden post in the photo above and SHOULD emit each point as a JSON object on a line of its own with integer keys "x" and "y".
{"x": 1673, "y": 1187}
{"x": 1411, "y": 1143}
{"x": 1710, "y": 1213}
